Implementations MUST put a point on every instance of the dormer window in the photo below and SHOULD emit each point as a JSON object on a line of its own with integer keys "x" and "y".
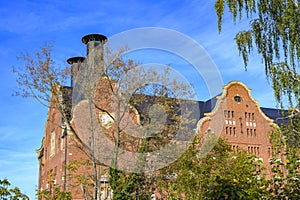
{"x": 238, "y": 99}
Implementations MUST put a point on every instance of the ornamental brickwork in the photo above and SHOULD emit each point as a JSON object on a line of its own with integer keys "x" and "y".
{"x": 234, "y": 115}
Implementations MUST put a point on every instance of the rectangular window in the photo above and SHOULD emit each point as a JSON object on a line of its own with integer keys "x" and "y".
{"x": 55, "y": 171}
{"x": 52, "y": 143}
{"x": 63, "y": 165}
{"x": 62, "y": 144}
{"x": 241, "y": 125}
{"x": 58, "y": 143}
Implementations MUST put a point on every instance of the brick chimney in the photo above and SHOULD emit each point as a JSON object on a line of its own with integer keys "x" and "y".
{"x": 75, "y": 63}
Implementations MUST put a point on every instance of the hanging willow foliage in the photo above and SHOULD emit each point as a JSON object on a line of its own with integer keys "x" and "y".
{"x": 275, "y": 32}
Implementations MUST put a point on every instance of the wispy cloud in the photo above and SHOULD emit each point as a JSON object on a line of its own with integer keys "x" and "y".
{"x": 27, "y": 24}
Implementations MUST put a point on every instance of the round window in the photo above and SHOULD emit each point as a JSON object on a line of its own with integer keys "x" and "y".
{"x": 237, "y": 98}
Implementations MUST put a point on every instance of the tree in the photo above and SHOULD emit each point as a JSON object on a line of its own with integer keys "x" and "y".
{"x": 156, "y": 128}
{"x": 10, "y": 193}
{"x": 41, "y": 79}
{"x": 56, "y": 195}
{"x": 120, "y": 88}
{"x": 274, "y": 31}
{"x": 285, "y": 174}
{"x": 221, "y": 174}
{"x": 102, "y": 114}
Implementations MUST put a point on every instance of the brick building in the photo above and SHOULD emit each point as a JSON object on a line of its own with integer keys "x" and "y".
{"x": 237, "y": 116}
{"x": 234, "y": 114}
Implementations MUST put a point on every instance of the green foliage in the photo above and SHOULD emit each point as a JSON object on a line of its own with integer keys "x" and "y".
{"x": 220, "y": 174}
{"x": 57, "y": 194}
{"x": 84, "y": 180}
{"x": 222, "y": 188}
{"x": 131, "y": 185}
{"x": 274, "y": 30}
{"x": 128, "y": 185}
{"x": 291, "y": 129}
{"x": 285, "y": 179}
{"x": 10, "y": 193}
{"x": 80, "y": 176}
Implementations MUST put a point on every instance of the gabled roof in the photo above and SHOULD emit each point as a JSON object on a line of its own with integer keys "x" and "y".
{"x": 203, "y": 106}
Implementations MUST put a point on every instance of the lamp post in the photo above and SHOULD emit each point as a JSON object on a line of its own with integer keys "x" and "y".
{"x": 64, "y": 135}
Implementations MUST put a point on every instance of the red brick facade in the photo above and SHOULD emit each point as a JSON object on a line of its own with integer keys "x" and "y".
{"x": 235, "y": 116}
{"x": 238, "y": 118}
{"x": 57, "y": 150}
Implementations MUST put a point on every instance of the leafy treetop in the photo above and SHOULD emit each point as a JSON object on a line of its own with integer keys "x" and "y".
{"x": 274, "y": 30}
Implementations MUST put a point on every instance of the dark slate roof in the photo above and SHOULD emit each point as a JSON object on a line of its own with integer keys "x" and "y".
{"x": 276, "y": 114}
{"x": 202, "y": 106}
{"x": 209, "y": 105}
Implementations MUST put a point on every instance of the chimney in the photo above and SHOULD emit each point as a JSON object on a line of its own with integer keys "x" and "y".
{"x": 95, "y": 51}
{"x": 89, "y": 68}
{"x": 92, "y": 41}
{"x": 75, "y": 63}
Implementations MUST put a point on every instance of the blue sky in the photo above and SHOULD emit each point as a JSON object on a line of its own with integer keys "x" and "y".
{"x": 25, "y": 25}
